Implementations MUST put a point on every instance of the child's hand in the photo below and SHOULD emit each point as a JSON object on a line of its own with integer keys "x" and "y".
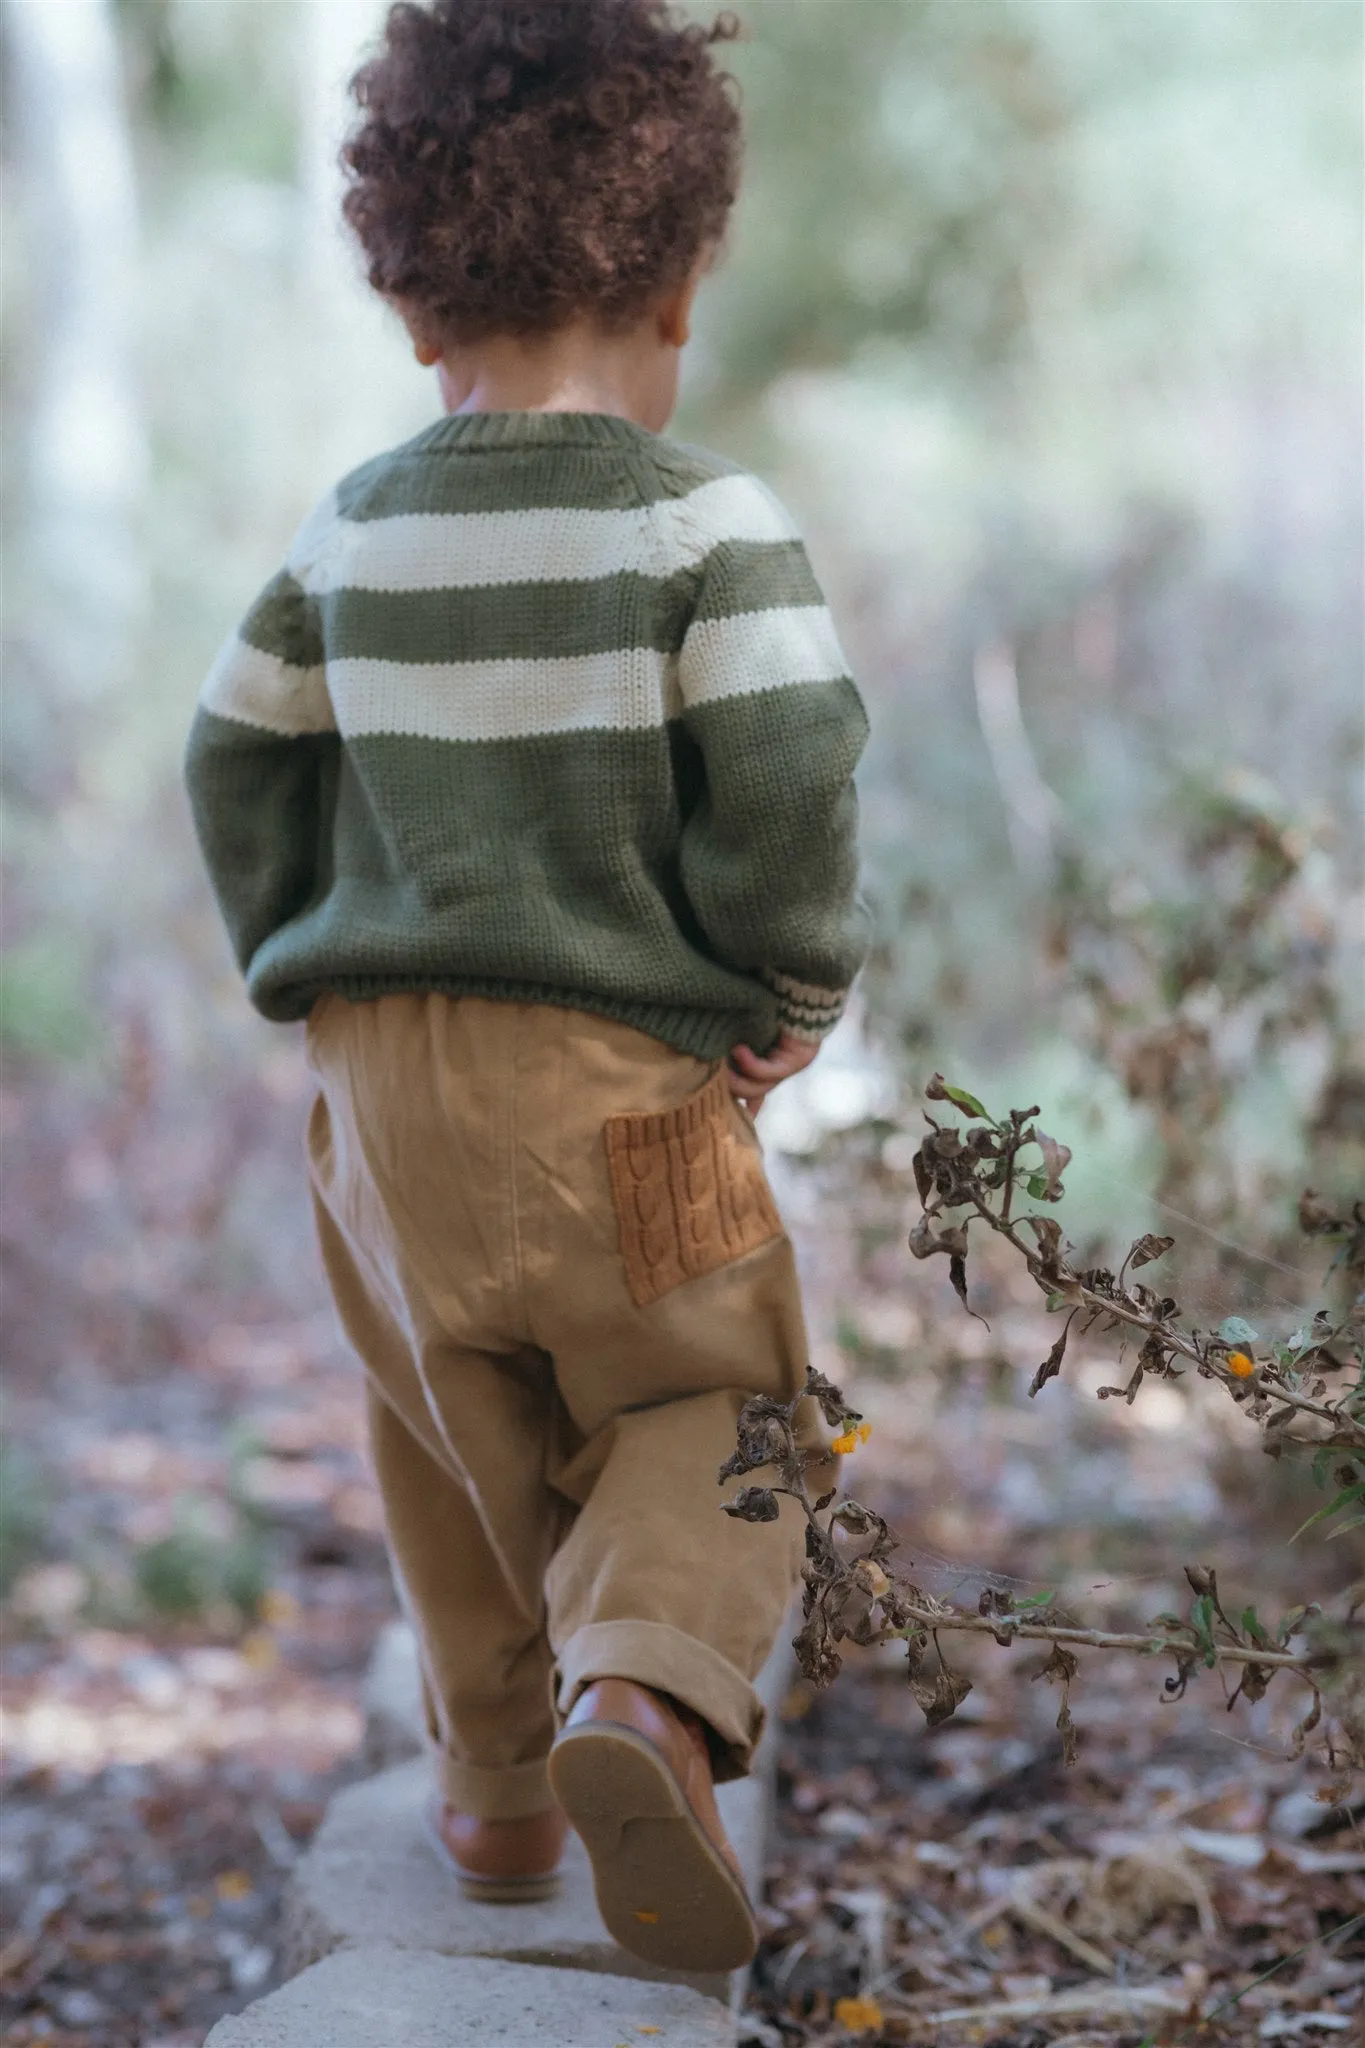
{"x": 751, "y": 1077}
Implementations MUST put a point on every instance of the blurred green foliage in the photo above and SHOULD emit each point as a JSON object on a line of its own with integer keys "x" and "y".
{"x": 902, "y": 171}
{"x": 22, "y": 1512}
{"x": 208, "y": 81}
{"x": 216, "y": 1554}
{"x": 44, "y": 998}
{"x": 197, "y": 1568}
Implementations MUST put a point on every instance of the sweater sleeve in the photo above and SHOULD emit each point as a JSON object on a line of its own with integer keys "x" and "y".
{"x": 769, "y": 854}
{"x": 257, "y": 766}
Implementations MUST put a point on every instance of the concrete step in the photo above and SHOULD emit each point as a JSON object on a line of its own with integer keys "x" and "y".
{"x": 392, "y": 1700}
{"x": 372, "y": 1875}
{"x": 385, "y": 1997}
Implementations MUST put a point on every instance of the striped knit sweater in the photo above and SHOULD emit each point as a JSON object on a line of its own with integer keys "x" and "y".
{"x": 546, "y": 708}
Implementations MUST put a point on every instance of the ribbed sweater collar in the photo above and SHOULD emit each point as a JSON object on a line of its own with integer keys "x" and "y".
{"x": 487, "y": 430}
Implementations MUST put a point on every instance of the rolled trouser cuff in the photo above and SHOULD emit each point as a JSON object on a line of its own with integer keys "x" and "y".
{"x": 509, "y": 1794}
{"x": 666, "y": 1660}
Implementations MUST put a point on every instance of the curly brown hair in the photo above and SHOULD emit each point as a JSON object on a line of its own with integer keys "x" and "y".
{"x": 522, "y": 163}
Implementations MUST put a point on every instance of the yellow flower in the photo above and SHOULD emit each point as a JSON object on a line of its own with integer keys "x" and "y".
{"x": 864, "y": 1432}
{"x": 260, "y": 1650}
{"x": 1241, "y": 1364}
{"x": 844, "y": 1444}
{"x": 859, "y": 2015}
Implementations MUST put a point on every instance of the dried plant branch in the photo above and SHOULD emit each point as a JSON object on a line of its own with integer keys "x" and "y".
{"x": 1116, "y": 1308}
{"x": 1006, "y": 1630}
{"x": 851, "y": 1596}
{"x": 981, "y": 1172}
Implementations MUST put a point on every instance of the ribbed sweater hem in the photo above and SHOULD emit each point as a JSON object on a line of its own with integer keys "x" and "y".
{"x": 705, "y": 1034}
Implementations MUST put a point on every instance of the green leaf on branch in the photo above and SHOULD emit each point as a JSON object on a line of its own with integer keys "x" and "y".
{"x": 1348, "y": 1497}
{"x": 939, "y": 1090}
{"x": 1201, "y": 1620}
{"x": 1251, "y": 1626}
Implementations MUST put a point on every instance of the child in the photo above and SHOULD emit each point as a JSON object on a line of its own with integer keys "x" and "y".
{"x": 527, "y": 784}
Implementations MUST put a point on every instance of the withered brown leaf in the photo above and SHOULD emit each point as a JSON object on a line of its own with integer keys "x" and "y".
{"x": 1060, "y": 1668}
{"x": 830, "y": 1398}
{"x": 1056, "y": 1159}
{"x": 1052, "y": 1364}
{"x": 819, "y": 1661}
{"x": 753, "y": 1504}
{"x": 940, "y": 1698}
{"x": 957, "y": 1273}
{"x": 1148, "y": 1248}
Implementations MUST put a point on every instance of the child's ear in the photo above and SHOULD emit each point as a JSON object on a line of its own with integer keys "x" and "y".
{"x": 675, "y": 310}
{"x": 425, "y": 346}
{"x": 674, "y": 319}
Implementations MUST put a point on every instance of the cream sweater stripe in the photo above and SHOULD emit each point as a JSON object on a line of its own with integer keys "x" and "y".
{"x": 629, "y": 688}
{"x": 623, "y": 689}
{"x": 465, "y": 550}
{"x": 754, "y": 651}
{"x": 251, "y": 687}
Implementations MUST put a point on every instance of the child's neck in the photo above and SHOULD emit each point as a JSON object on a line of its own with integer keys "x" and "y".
{"x": 633, "y": 375}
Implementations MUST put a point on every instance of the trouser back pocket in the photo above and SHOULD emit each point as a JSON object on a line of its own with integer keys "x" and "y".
{"x": 689, "y": 1191}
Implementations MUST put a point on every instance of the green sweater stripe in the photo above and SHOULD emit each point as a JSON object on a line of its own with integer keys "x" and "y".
{"x": 284, "y": 622}
{"x": 538, "y": 621}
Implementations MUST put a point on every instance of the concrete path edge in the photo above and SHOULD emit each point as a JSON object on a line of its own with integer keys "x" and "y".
{"x": 370, "y": 1908}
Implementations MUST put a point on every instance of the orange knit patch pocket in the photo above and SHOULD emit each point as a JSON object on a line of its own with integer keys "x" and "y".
{"x": 690, "y": 1194}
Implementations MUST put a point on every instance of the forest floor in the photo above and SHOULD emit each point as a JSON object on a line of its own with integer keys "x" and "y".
{"x": 196, "y": 1578}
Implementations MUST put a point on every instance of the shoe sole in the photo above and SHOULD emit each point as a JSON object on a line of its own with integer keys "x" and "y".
{"x": 664, "y": 1891}
{"x": 490, "y": 1891}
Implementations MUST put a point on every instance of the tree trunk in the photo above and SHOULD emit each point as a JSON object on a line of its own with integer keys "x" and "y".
{"x": 86, "y": 447}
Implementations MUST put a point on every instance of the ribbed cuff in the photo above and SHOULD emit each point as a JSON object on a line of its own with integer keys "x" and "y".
{"x": 663, "y": 1658}
{"x": 807, "y": 1012}
{"x": 509, "y": 1794}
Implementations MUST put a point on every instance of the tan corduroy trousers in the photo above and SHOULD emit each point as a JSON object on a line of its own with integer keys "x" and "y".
{"x": 552, "y": 1244}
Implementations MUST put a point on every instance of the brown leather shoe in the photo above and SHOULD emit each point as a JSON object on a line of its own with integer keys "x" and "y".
{"x": 500, "y": 1862}
{"x": 632, "y": 1771}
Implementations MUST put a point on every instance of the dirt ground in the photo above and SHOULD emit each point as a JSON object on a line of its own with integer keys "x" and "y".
{"x": 196, "y": 1577}
{"x": 962, "y": 1886}
{"x": 1185, "y": 1880}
